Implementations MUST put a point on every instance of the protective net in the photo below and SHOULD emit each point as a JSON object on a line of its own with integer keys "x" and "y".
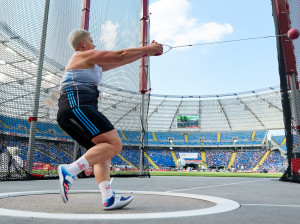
{"x": 294, "y": 156}
{"x": 294, "y": 7}
{"x": 286, "y": 16}
{"x": 32, "y": 144}
{"x": 120, "y": 98}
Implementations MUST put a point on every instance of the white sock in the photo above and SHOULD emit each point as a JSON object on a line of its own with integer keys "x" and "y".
{"x": 78, "y": 166}
{"x": 105, "y": 189}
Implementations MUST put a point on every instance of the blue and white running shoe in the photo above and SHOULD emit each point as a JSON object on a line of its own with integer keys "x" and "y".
{"x": 65, "y": 182}
{"x": 116, "y": 202}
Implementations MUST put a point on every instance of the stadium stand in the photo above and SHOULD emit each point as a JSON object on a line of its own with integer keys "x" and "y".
{"x": 54, "y": 153}
{"x": 14, "y": 126}
{"x": 248, "y": 159}
{"x": 280, "y": 140}
{"x": 217, "y": 147}
{"x": 218, "y": 158}
{"x": 131, "y": 155}
{"x": 275, "y": 162}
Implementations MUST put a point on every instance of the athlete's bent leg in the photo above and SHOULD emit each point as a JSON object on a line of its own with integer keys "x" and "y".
{"x": 102, "y": 168}
{"x": 107, "y": 145}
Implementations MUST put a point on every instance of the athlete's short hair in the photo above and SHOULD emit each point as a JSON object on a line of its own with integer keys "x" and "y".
{"x": 76, "y": 36}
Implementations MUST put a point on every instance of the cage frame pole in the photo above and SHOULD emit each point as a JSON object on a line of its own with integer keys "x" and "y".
{"x": 33, "y": 119}
{"x": 85, "y": 15}
{"x": 143, "y": 76}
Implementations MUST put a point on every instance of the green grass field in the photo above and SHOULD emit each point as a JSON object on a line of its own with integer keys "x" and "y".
{"x": 215, "y": 174}
{"x": 206, "y": 174}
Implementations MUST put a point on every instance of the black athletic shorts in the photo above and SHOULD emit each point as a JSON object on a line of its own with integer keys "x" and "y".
{"x": 83, "y": 124}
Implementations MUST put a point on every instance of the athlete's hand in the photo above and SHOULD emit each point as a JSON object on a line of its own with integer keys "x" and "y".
{"x": 155, "y": 49}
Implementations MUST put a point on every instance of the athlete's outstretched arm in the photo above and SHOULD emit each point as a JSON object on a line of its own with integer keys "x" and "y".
{"x": 113, "y": 59}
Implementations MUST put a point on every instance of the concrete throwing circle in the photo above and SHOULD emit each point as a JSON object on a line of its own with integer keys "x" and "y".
{"x": 221, "y": 205}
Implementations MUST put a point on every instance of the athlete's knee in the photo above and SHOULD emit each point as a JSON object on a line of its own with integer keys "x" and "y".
{"x": 118, "y": 145}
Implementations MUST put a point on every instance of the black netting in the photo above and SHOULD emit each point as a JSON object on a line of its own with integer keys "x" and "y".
{"x": 40, "y": 149}
{"x": 286, "y": 16}
{"x": 294, "y": 7}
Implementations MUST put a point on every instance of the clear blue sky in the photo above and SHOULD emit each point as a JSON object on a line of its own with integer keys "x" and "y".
{"x": 219, "y": 68}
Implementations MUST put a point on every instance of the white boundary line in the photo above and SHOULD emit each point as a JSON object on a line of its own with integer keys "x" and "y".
{"x": 222, "y": 205}
{"x": 218, "y": 185}
{"x": 272, "y": 205}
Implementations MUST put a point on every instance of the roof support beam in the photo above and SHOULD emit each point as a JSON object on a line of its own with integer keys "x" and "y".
{"x": 223, "y": 110}
{"x": 245, "y": 105}
{"x": 175, "y": 114}
{"x": 258, "y": 97}
{"x": 132, "y": 109}
{"x": 114, "y": 105}
{"x": 156, "y": 108}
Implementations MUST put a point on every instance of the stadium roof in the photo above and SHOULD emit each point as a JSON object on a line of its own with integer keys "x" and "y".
{"x": 253, "y": 110}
